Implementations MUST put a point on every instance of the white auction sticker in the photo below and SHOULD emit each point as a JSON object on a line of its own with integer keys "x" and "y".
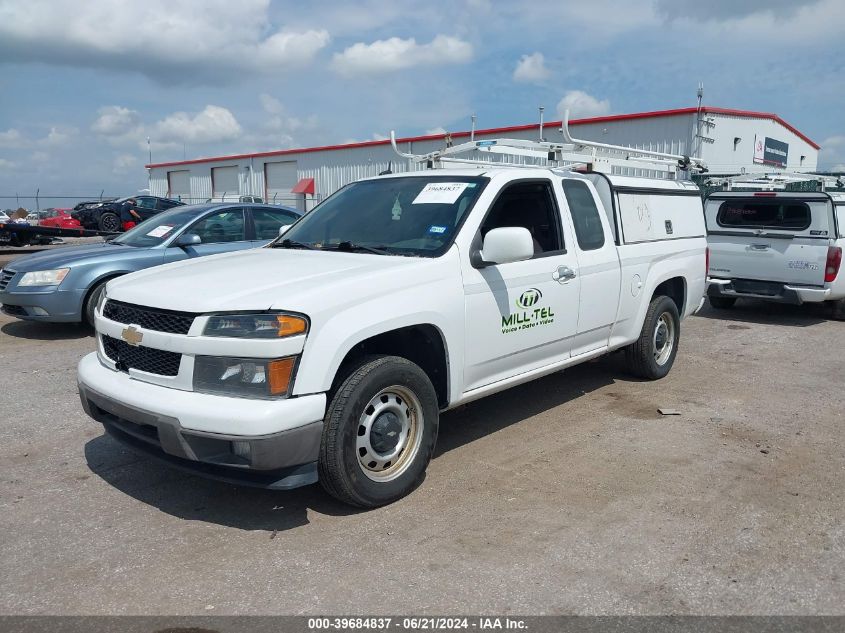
{"x": 161, "y": 231}
{"x": 440, "y": 193}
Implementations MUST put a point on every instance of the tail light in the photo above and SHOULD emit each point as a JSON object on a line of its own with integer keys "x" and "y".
{"x": 706, "y": 260}
{"x": 834, "y": 261}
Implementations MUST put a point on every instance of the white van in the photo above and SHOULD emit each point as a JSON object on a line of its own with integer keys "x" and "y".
{"x": 777, "y": 246}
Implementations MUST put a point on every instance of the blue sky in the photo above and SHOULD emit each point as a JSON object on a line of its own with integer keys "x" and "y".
{"x": 83, "y": 84}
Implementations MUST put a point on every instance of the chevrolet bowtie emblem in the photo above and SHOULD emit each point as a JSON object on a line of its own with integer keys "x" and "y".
{"x": 132, "y": 336}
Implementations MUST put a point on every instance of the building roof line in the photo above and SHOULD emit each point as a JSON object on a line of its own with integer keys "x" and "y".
{"x": 498, "y": 130}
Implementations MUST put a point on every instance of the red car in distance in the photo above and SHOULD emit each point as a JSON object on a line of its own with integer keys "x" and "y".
{"x": 57, "y": 219}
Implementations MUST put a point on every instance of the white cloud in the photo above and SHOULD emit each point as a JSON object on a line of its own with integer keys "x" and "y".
{"x": 6, "y": 164}
{"x": 581, "y": 104}
{"x": 435, "y": 130}
{"x": 115, "y": 121}
{"x": 168, "y": 41}
{"x": 396, "y": 54}
{"x": 531, "y": 69}
{"x": 12, "y": 138}
{"x": 832, "y": 153}
{"x": 211, "y": 125}
{"x": 124, "y": 163}
{"x": 58, "y": 136}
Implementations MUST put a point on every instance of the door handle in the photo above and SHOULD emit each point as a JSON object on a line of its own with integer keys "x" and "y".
{"x": 760, "y": 247}
{"x": 563, "y": 274}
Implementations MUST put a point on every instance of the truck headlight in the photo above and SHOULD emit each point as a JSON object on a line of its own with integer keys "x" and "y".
{"x": 44, "y": 277}
{"x": 244, "y": 377}
{"x": 261, "y": 325}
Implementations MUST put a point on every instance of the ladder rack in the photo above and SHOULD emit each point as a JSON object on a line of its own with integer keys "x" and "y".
{"x": 572, "y": 153}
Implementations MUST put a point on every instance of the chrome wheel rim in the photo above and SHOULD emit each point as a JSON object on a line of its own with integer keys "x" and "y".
{"x": 389, "y": 433}
{"x": 110, "y": 223}
{"x": 663, "y": 341}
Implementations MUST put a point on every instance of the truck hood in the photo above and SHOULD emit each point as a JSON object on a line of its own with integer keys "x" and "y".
{"x": 268, "y": 278}
{"x": 69, "y": 256}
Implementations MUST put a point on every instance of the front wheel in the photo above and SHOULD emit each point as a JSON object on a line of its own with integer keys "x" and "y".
{"x": 379, "y": 433}
{"x": 109, "y": 222}
{"x": 652, "y": 355}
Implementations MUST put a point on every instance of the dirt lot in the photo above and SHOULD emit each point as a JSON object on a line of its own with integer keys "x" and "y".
{"x": 567, "y": 495}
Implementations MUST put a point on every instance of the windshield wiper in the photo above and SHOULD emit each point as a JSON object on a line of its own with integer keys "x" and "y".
{"x": 292, "y": 244}
{"x": 352, "y": 247}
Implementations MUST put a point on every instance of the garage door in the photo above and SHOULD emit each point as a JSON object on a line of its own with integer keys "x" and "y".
{"x": 224, "y": 180}
{"x": 179, "y": 185}
{"x": 280, "y": 178}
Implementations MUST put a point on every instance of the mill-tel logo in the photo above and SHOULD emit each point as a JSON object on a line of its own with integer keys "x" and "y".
{"x": 530, "y": 313}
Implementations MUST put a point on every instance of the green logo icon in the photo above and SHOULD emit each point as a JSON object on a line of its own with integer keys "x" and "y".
{"x": 529, "y": 298}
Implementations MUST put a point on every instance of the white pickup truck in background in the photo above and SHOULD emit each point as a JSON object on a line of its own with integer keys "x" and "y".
{"x": 777, "y": 246}
{"x": 330, "y": 354}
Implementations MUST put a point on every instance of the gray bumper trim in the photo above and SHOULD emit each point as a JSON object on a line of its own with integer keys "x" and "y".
{"x": 280, "y": 461}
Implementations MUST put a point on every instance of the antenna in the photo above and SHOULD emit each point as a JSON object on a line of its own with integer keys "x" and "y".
{"x": 700, "y": 93}
{"x": 472, "y": 130}
{"x": 542, "y": 109}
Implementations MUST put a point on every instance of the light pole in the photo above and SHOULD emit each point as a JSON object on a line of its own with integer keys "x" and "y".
{"x": 149, "y": 169}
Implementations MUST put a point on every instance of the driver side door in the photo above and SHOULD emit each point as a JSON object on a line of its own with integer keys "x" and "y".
{"x": 523, "y": 315}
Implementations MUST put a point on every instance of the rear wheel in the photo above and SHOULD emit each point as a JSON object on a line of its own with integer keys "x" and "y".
{"x": 109, "y": 222}
{"x": 722, "y": 303}
{"x": 653, "y": 354}
{"x": 379, "y": 432}
{"x": 838, "y": 309}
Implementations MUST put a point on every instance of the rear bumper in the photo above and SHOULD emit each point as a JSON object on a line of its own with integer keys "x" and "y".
{"x": 770, "y": 291}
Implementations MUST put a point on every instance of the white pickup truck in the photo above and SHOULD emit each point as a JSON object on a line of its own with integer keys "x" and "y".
{"x": 777, "y": 246}
{"x": 331, "y": 353}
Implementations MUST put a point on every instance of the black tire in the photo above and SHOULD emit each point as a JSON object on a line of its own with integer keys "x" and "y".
{"x": 838, "y": 310}
{"x": 350, "y": 411}
{"x": 109, "y": 222}
{"x": 722, "y": 303}
{"x": 646, "y": 358}
{"x": 91, "y": 302}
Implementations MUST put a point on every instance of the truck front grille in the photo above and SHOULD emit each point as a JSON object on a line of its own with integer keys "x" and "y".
{"x": 148, "y": 359}
{"x": 5, "y": 278}
{"x": 156, "y": 319}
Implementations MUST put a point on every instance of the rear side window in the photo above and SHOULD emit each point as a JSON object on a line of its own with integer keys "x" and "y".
{"x": 269, "y": 221}
{"x": 585, "y": 215}
{"x": 782, "y": 215}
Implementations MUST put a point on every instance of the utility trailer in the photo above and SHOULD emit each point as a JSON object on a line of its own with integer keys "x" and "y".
{"x": 18, "y": 234}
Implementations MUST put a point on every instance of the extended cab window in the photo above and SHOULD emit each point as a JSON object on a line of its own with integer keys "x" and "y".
{"x": 782, "y": 215}
{"x": 530, "y": 205}
{"x": 585, "y": 215}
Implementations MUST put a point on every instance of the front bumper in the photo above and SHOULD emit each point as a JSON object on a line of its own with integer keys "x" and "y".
{"x": 270, "y": 444}
{"x": 53, "y": 304}
{"x": 770, "y": 291}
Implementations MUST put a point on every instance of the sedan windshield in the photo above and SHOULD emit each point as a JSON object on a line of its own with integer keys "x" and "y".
{"x": 158, "y": 228}
{"x": 410, "y": 215}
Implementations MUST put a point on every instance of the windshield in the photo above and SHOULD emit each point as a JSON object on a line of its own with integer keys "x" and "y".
{"x": 158, "y": 228}
{"x": 412, "y": 215}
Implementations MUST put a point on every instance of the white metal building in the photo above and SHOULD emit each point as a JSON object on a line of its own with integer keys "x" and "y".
{"x": 729, "y": 141}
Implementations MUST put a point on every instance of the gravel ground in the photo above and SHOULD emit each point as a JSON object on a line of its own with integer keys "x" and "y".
{"x": 567, "y": 495}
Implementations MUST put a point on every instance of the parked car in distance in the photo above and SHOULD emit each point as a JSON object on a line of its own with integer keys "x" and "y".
{"x": 4, "y": 217}
{"x": 106, "y": 216}
{"x": 777, "y": 246}
{"x": 57, "y": 218}
{"x": 64, "y": 284}
{"x": 329, "y": 355}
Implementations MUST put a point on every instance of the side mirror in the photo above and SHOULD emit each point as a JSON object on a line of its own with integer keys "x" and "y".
{"x": 505, "y": 245}
{"x": 283, "y": 229}
{"x": 188, "y": 239}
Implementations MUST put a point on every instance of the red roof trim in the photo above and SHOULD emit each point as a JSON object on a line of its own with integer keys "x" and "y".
{"x": 499, "y": 130}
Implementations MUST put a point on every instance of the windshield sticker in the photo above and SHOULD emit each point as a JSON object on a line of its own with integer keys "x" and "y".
{"x": 397, "y": 209}
{"x": 437, "y": 230}
{"x": 529, "y": 314}
{"x": 440, "y": 193}
{"x": 161, "y": 231}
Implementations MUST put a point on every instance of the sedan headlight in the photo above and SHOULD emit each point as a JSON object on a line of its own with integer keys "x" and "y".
{"x": 262, "y": 325}
{"x": 44, "y": 277}
{"x": 244, "y": 377}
